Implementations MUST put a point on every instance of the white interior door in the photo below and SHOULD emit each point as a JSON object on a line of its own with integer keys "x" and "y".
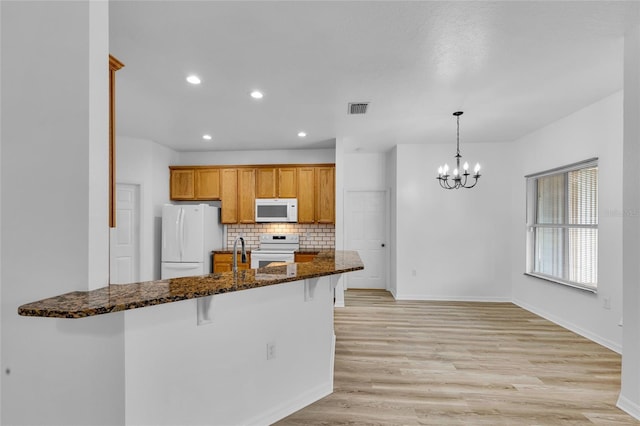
{"x": 125, "y": 237}
{"x": 366, "y": 232}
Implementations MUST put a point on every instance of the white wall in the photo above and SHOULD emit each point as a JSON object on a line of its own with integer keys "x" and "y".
{"x": 630, "y": 393}
{"x": 288, "y": 156}
{"x": 595, "y": 131}
{"x": 62, "y": 372}
{"x": 365, "y": 171}
{"x": 146, "y": 163}
{"x": 179, "y": 373}
{"x": 452, "y": 244}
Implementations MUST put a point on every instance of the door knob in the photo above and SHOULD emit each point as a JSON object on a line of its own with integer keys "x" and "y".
{"x": 382, "y": 245}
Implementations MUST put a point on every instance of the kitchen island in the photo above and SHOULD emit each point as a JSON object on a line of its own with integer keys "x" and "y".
{"x": 221, "y": 349}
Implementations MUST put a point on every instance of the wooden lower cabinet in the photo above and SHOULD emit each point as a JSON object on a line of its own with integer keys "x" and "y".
{"x": 223, "y": 262}
{"x": 305, "y": 257}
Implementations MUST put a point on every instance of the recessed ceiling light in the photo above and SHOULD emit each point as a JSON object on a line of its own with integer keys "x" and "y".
{"x": 256, "y": 94}
{"x": 302, "y": 134}
{"x": 206, "y": 137}
{"x": 193, "y": 79}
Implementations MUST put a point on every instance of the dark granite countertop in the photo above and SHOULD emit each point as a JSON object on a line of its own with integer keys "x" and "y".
{"x": 120, "y": 297}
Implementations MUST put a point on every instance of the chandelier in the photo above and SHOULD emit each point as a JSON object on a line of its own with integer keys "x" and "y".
{"x": 458, "y": 180}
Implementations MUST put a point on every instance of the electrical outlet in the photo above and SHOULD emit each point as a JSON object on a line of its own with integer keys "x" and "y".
{"x": 271, "y": 351}
{"x": 606, "y": 302}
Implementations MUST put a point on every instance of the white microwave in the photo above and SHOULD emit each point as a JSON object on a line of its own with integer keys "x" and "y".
{"x": 276, "y": 210}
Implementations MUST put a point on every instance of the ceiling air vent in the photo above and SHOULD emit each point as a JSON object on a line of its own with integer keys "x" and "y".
{"x": 358, "y": 107}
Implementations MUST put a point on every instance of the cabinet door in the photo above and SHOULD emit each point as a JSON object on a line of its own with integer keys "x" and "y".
{"x": 325, "y": 195}
{"x": 246, "y": 195}
{"x": 306, "y": 195}
{"x": 287, "y": 183}
{"x": 207, "y": 184}
{"x": 223, "y": 262}
{"x": 305, "y": 257}
{"x": 229, "y": 195}
{"x": 182, "y": 184}
{"x": 266, "y": 183}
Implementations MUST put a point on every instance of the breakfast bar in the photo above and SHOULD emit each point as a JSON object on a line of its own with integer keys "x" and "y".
{"x": 120, "y": 297}
{"x": 226, "y": 348}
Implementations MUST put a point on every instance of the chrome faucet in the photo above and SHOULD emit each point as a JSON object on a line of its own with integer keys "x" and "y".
{"x": 243, "y": 254}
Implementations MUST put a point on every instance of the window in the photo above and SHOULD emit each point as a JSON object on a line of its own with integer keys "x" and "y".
{"x": 562, "y": 225}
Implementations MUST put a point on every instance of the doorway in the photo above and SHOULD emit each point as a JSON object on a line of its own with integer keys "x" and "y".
{"x": 366, "y": 231}
{"x": 124, "y": 252}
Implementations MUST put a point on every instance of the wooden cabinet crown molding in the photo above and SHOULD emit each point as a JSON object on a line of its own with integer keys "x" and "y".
{"x": 251, "y": 166}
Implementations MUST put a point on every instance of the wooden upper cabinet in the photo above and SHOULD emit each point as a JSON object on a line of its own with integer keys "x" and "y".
{"x": 229, "y": 195}
{"x": 287, "y": 182}
{"x": 237, "y": 187}
{"x": 207, "y": 184}
{"x": 266, "y": 183}
{"x": 325, "y": 195}
{"x": 306, "y": 194}
{"x": 246, "y": 195}
{"x": 182, "y": 184}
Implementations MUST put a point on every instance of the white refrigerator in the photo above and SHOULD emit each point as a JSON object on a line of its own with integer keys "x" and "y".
{"x": 189, "y": 234}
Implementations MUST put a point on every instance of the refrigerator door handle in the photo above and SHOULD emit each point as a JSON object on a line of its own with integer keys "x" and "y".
{"x": 177, "y": 230}
{"x": 181, "y": 233}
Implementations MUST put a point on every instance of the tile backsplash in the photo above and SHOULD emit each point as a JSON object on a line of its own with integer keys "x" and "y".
{"x": 312, "y": 236}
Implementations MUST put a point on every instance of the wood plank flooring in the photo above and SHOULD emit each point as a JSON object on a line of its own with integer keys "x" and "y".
{"x": 462, "y": 363}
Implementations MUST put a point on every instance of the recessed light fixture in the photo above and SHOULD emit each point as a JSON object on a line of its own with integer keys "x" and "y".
{"x": 256, "y": 94}
{"x": 206, "y": 137}
{"x": 193, "y": 79}
{"x": 302, "y": 134}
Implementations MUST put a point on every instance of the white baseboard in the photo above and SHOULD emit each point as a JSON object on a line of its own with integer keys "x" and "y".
{"x": 290, "y": 407}
{"x": 570, "y": 326}
{"x": 629, "y": 407}
{"x": 426, "y": 297}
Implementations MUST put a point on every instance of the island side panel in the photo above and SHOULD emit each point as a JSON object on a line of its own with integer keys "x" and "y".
{"x": 180, "y": 373}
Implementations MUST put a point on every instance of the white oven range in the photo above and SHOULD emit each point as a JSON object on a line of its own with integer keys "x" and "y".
{"x": 275, "y": 248}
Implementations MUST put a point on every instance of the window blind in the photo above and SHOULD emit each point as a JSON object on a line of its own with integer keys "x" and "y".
{"x": 563, "y": 224}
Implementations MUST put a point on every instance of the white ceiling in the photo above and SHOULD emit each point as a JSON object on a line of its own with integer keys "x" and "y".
{"x": 512, "y": 67}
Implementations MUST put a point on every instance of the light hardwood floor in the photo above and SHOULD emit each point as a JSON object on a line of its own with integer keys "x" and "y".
{"x": 462, "y": 363}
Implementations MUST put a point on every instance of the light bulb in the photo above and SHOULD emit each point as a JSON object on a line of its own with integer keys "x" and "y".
{"x": 446, "y": 168}
{"x": 440, "y": 171}
{"x": 455, "y": 172}
{"x": 476, "y": 169}
{"x": 465, "y": 166}
{"x": 193, "y": 79}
